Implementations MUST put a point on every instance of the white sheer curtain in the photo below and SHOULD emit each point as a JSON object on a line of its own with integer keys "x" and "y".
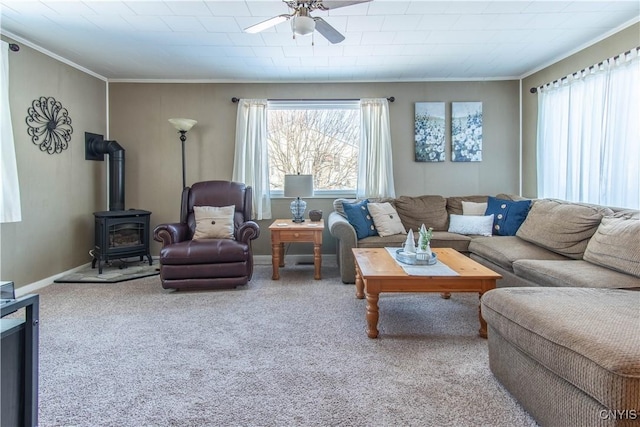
{"x": 589, "y": 137}
{"x": 9, "y": 188}
{"x": 251, "y": 162}
{"x": 375, "y": 162}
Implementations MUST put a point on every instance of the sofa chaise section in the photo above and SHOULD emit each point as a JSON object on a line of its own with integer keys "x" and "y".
{"x": 570, "y": 356}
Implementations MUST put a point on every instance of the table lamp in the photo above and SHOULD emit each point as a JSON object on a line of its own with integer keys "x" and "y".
{"x": 298, "y": 186}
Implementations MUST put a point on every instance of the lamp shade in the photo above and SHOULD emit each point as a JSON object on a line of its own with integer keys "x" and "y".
{"x": 183, "y": 124}
{"x": 303, "y": 25}
{"x": 298, "y": 185}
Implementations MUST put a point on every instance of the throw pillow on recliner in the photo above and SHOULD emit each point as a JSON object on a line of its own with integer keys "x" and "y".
{"x": 360, "y": 218}
{"x": 214, "y": 222}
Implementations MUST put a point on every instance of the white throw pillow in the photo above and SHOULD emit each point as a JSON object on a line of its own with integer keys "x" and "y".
{"x": 471, "y": 224}
{"x": 386, "y": 219}
{"x": 473, "y": 208}
{"x": 214, "y": 222}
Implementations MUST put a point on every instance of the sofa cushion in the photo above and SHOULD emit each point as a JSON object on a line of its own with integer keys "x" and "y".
{"x": 386, "y": 219}
{"x": 471, "y": 224}
{"x": 454, "y": 204}
{"x": 360, "y": 218}
{"x": 616, "y": 244}
{"x": 572, "y": 273}
{"x": 474, "y": 208}
{"x": 589, "y": 337}
{"x": 561, "y": 226}
{"x": 504, "y": 250}
{"x": 440, "y": 239}
{"x": 428, "y": 210}
{"x": 205, "y": 251}
{"x": 396, "y": 240}
{"x": 508, "y": 215}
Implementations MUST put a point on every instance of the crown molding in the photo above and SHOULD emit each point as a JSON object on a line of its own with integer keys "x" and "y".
{"x": 582, "y": 47}
{"x": 52, "y": 55}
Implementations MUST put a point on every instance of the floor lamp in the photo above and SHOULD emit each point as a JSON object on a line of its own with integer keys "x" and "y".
{"x": 183, "y": 126}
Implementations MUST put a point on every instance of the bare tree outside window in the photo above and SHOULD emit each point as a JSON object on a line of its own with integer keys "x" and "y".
{"x": 321, "y": 142}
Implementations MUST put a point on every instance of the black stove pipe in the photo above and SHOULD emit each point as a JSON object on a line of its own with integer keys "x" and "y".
{"x": 100, "y": 147}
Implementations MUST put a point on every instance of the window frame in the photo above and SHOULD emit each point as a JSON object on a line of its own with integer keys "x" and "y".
{"x": 315, "y": 104}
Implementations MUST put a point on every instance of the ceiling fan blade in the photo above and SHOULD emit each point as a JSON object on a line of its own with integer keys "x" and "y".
{"x": 271, "y": 22}
{"x": 328, "y": 31}
{"x": 334, "y": 4}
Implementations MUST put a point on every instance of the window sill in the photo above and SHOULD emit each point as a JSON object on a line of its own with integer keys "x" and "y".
{"x": 323, "y": 195}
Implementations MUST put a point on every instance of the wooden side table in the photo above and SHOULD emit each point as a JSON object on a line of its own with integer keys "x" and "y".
{"x": 285, "y": 230}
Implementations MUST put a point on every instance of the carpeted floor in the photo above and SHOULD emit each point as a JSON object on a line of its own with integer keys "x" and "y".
{"x": 112, "y": 272}
{"x": 292, "y": 352}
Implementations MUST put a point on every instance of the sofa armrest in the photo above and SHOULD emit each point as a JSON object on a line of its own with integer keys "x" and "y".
{"x": 248, "y": 231}
{"x": 170, "y": 233}
{"x": 346, "y": 239}
{"x": 340, "y": 228}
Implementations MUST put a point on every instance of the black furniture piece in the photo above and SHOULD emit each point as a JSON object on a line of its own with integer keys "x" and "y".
{"x": 208, "y": 263}
{"x": 19, "y": 362}
{"x": 121, "y": 234}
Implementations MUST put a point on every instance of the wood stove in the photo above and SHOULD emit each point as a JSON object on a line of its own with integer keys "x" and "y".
{"x": 121, "y": 234}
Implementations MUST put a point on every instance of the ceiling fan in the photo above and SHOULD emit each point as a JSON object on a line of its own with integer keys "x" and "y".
{"x": 302, "y": 23}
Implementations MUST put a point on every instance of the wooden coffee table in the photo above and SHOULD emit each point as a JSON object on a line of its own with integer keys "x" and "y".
{"x": 377, "y": 271}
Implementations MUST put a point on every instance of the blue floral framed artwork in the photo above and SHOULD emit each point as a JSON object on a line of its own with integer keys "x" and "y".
{"x": 466, "y": 131}
{"x": 429, "y": 132}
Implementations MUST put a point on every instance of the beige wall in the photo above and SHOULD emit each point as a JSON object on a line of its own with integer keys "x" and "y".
{"x": 59, "y": 192}
{"x": 138, "y": 121}
{"x": 611, "y": 46}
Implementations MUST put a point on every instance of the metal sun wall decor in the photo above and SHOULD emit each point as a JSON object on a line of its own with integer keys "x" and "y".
{"x": 429, "y": 132}
{"x": 466, "y": 131}
{"x": 49, "y": 125}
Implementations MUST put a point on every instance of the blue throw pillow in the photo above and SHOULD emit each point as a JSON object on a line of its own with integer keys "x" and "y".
{"x": 359, "y": 216}
{"x": 508, "y": 215}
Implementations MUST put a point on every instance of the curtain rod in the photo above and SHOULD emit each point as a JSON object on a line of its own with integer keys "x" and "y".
{"x": 390, "y": 99}
{"x": 535, "y": 89}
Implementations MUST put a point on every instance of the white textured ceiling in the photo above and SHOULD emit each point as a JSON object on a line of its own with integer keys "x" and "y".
{"x": 386, "y": 40}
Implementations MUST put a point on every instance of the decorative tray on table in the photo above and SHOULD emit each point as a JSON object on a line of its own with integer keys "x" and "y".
{"x": 409, "y": 258}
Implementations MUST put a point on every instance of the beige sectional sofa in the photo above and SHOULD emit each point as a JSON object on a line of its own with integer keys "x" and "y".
{"x": 564, "y": 322}
{"x": 431, "y": 210}
{"x": 547, "y": 250}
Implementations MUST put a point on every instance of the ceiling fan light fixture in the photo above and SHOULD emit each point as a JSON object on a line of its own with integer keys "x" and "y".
{"x": 303, "y": 25}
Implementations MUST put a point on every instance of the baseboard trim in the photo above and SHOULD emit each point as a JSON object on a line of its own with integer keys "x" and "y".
{"x": 296, "y": 259}
{"x": 33, "y": 287}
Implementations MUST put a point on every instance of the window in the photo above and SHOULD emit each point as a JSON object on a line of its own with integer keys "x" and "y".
{"x": 320, "y": 138}
{"x": 588, "y": 135}
{"x": 347, "y": 153}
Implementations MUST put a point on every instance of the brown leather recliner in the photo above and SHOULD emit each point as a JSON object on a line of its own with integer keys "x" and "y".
{"x": 208, "y": 263}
